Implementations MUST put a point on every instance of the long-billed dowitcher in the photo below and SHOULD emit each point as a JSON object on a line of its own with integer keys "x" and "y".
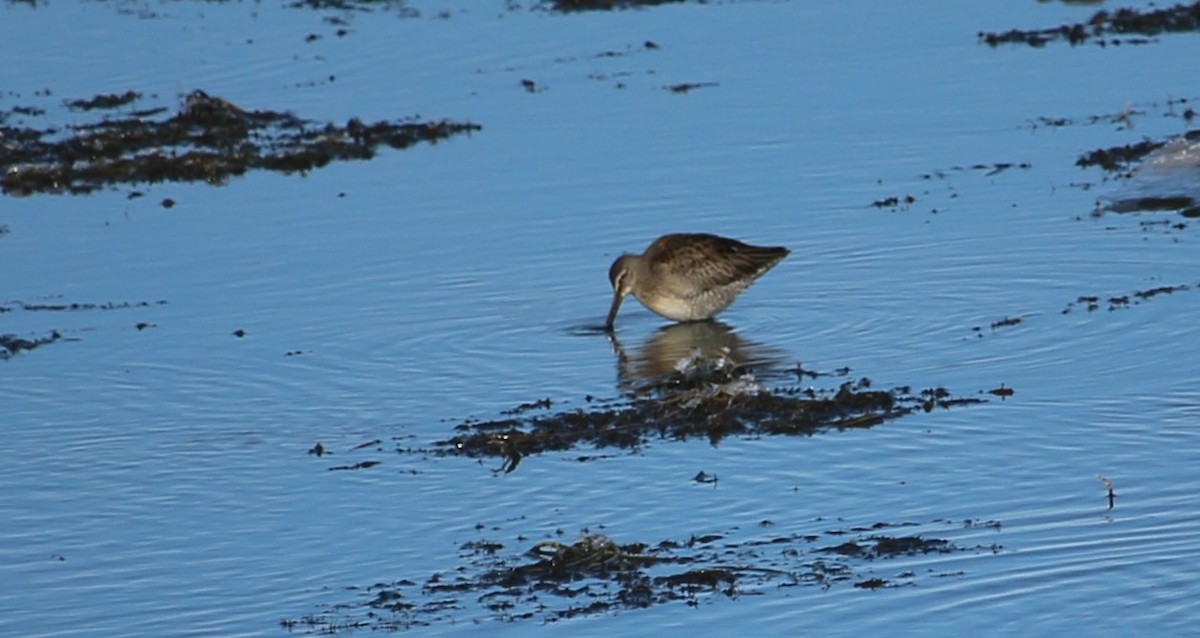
{"x": 689, "y": 276}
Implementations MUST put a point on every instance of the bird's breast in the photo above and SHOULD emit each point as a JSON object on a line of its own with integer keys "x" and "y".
{"x": 694, "y": 308}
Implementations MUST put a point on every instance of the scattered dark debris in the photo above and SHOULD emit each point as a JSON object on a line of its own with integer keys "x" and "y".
{"x": 401, "y": 6}
{"x": 1118, "y": 158}
{"x": 648, "y": 45}
{"x": 708, "y": 398}
{"x": 78, "y": 307}
{"x": 1000, "y": 167}
{"x": 373, "y": 443}
{"x": 705, "y": 477}
{"x": 554, "y": 580}
{"x": 1165, "y": 224}
{"x": 540, "y": 404}
{"x": 888, "y": 547}
{"x": 1123, "y": 119}
{"x": 111, "y": 101}
{"x": 11, "y": 345}
{"x": 801, "y": 372}
{"x": 1050, "y": 122}
{"x": 1129, "y": 26}
{"x": 975, "y": 523}
{"x": 686, "y": 87}
{"x": 1002, "y": 392}
{"x": 569, "y": 6}
{"x": 209, "y": 139}
{"x": 931, "y": 398}
{"x": 1006, "y": 322}
{"x": 895, "y": 203}
{"x": 361, "y": 465}
{"x": 482, "y": 546}
{"x": 1151, "y": 293}
{"x": 31, "y": 111}
{"x": 1091, "y": 303}
{"x": 1112, "y": 492}
{"x": 988, "y": 170}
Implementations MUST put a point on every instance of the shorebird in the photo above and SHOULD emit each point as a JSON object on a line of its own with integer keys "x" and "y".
{"x": 689, "y": 276}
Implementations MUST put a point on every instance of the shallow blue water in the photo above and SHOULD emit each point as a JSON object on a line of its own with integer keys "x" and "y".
{"x": 157, "y": 480}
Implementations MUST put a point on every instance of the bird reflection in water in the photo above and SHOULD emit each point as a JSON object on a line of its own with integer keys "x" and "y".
{"x": 661, "y": 353}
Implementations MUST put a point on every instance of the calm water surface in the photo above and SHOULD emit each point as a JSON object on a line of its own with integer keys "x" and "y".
{"x": 157, "y": 481}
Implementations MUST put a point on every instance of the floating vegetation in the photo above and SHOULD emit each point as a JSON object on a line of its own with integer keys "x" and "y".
{"x": 1131, "y": 26}
{"x": 704, "y": 397}
{"x": 11, "y": 345}
{"x": 1002, "y": 392}
{"x": 105, "y": 101}
{"x": 988, "y": 170}
{"x": 1124, "y": 120}
{"x": 77, "y": 307}
{"x": 209, "y": 139}
{"x": 1092, "y": 303}
{"x": 567, "y": 6}
{"x": 1117, "y": 158}
{"x": 355, "y": 5}
{"x": 1006, "y": 322}
{"x": 688, "y": 87}
{"x": 554, "y": 580}
{"x": 895, "y": 202}
{"x": 1112, "y": 491}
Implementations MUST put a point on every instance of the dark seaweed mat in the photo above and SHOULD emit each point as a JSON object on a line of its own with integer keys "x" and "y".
{"x": 11, "y": 345}
{"x": 1120, "y": 158}
{"x": 709, "y": 399}
{"x": 555, "y": 580}
{"x": 209, "y": 139}
{"x": 1121, "y": 22}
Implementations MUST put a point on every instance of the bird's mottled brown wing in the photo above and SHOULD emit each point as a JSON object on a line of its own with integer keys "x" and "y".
{"x": 708, "y": 262}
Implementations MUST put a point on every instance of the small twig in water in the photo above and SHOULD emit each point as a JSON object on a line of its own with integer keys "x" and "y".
{"x": 1112, "y": 493}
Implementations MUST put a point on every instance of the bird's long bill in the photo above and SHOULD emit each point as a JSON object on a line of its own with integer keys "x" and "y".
{"x": 612, "y": 312}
